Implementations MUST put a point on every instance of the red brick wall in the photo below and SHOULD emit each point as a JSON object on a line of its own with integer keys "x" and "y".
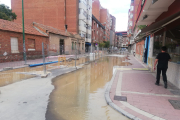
{"x": 139, "y": 47}
{"x": 103, "y": 19}
{"x": 98, "y": 37}
{"x": 5, "y": 41}
{"x": 48, "y": 12}
{"x": 96, "y": 9}
{"x": 72, "y": 12}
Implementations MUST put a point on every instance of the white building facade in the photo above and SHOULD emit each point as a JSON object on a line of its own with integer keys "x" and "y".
{"x": 85, "y": 19}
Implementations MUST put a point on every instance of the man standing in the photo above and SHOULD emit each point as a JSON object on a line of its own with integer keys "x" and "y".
{"x": 145, "y": 56}
{"x": 162, "y": 59}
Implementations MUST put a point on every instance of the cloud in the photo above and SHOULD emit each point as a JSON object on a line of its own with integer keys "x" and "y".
{"x": 6, "y": 2}
{"x": 119, "y": 9}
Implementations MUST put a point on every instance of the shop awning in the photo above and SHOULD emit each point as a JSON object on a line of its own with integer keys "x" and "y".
{"x": 161, "y": 23}
{"x": 88, "y": 44}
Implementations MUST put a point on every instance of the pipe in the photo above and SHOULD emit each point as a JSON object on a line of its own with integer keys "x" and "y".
{"x": 40, "y": 64}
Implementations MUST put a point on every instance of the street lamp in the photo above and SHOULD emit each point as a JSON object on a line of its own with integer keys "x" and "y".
{"x": 24, "y": 45}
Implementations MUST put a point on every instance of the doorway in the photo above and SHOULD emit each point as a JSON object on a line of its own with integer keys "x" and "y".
{"x": 147, "y": 49}
{"x": 61, "y": 44}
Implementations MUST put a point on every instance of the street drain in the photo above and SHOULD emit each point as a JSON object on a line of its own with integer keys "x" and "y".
{"x": 175, "y": 104}
{"x": 120, "y": 98}
{"x": 175, "y": 92}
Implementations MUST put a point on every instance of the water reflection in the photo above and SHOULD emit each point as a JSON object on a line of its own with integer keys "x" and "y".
{"x": 80, "y": 95}
{"x": 15, "y": 75}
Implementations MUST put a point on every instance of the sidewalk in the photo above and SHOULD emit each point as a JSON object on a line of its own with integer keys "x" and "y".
{"x": 145, "y": 100}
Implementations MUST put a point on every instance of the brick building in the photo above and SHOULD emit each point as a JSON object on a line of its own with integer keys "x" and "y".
{"x": 96, "y": 6}
{"x": 105, "y": 19}
{"x": 98, "y": 31}
{"x": 123, "y": 39}
{"x": 61, "y": 42}
{"x": 76, "y": 14}
{"x": 11, "y": 42}
{"x": 112, "y": 31}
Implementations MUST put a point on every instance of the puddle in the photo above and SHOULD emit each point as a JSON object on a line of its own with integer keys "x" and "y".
{"x": 80, "y": 95}
{"x": 15, "y": 75}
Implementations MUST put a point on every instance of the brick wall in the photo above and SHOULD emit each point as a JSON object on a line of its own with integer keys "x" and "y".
{"x": 104, "y": 19}
{"x": 48, "y": 12}
{"x": 5, "y": 46}
{"x": 96, "y": 9}
{"x": 140, "y": 47}
{"x": 98, "y": 37}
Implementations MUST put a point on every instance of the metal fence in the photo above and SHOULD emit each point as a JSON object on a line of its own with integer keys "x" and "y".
{"x": 14, "y": 68}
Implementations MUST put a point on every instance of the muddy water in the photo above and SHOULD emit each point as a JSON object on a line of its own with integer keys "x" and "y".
{"x": 80, "y": 95}
{"x": 15, "y": 75}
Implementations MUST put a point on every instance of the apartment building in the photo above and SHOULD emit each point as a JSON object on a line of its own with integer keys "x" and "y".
{"x": 112, "y": 30}
{"x": 73, "y": 15}
{"x": 123, "y": 39}
{"x": 105, "y": 19}
{"x": 98, "y": 31}
{"x": 85, "y": 21}
{"x": 132, "y": 17}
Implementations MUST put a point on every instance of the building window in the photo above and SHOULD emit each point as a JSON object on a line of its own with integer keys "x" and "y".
{"x": 14, "y": 45}
{"x": 31, "y": 44}
{"x": 132, "y": 8}
{"x": 97, "y": 26}
{"x": 131, "y": 15}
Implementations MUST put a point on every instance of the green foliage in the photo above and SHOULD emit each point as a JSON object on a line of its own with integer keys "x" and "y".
{"x": 141, "y": 26}
{"x": 101, "y": 45}
{"x": 107, "y": 44}
{"x": 6, "y": 13}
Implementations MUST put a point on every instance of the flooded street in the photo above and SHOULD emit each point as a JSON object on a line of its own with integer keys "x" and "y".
{"x": 80, "y": 95}
{"x": 19, "y": 74}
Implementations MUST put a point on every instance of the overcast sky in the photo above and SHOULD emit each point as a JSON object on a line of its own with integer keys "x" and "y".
{"x": 118, "y": 8}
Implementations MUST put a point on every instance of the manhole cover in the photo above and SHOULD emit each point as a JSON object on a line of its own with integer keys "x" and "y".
{"x": 120, "y": 98}
{"x": 175, "y": 92}
{"x": 175, "y": 104}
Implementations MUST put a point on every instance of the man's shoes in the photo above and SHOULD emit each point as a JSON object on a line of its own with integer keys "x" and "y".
{"x": 165, "y": 85}
{"x": 157, "y": 84}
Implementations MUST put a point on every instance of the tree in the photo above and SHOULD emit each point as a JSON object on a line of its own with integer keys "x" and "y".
{"x": 141, "y": 26}
{"x": 107, "y": 44}
{"x": 6, "y": 13}
{"x": 101, "y": 45}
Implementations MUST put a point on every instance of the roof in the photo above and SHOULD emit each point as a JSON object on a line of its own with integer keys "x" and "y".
{"x": 95, "y": 19}
{"x": 17, "y": 27}
{"x": 51, "y": 29}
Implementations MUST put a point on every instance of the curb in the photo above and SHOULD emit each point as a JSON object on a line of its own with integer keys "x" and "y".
{"x": 114, "y": 106}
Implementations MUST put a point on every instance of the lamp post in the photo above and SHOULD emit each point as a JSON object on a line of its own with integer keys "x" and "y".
{"x": 24, "y": 45}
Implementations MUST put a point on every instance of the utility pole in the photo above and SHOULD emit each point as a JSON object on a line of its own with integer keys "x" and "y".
{"x": 24, "y": 45}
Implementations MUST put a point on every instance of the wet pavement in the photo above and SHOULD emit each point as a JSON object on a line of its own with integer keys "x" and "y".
{"x": 80, "y": 95}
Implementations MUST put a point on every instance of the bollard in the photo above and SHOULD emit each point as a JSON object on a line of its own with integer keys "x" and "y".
{"x": 44, "y": 66}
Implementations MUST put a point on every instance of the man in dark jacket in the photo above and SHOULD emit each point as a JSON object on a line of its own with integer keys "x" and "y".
{"x": 162, "y": 59}
{"x": 145, "y": 56}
